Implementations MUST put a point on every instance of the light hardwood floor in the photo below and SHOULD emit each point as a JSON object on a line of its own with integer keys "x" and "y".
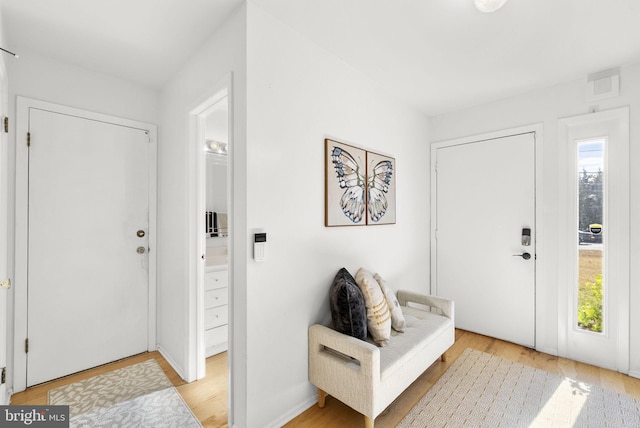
{"x": 208, "y": 397}
{"x": 336, "y": 414}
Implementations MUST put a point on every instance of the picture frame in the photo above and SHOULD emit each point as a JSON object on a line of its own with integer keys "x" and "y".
{"x": 359, "y": 186}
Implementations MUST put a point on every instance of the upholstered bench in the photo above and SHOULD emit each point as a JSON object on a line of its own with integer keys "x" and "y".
{"x": 368, "y": 378}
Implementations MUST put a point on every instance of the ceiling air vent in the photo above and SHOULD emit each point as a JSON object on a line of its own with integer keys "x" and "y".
{"x": 604, "y": 84}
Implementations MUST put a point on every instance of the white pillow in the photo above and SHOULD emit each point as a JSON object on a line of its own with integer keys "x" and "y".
{"x": 378, "y": 314}
{"x": 398, "y": 322}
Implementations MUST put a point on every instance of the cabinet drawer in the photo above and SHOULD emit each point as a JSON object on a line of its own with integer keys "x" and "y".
{"x": 216, "y": 336}
{"x": 217, "y": 297}
{"x": 217, "y": 279}
{"x": 215, "y": 317}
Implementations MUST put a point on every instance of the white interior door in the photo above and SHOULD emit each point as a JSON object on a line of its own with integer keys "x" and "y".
{"x": 88, "y": 286}
{"x": 485, "y": 197}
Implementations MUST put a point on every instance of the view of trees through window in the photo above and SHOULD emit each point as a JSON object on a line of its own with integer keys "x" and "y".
{"x": 591, "y": 229}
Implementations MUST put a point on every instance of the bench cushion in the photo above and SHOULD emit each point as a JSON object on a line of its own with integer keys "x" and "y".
{"x": 421, "y": 329}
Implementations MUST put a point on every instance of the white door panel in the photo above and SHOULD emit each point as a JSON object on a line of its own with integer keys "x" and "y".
{"x": 88, "y": 287}
{"x": 485, "y": 197}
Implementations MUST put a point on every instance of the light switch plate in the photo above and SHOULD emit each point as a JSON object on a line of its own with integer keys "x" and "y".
{"x": 6, "y": 283}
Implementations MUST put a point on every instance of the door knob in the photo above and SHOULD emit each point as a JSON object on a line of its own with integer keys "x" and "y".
{"x": 525, "y": 256}
{"x": 140, "y": 233}
{"x": 140, "y": 250}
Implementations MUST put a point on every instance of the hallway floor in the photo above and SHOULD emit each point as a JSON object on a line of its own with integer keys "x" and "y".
{"x": 206, "y": 397}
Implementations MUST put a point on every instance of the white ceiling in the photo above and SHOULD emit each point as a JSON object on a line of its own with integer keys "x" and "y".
{"x": 145, "y": 41}
{"x": 440, "y": 55}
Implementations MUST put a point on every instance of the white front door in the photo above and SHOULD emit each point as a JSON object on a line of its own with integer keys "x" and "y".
{"x": 88, "y": 238}
{"x": 484, "y": 204}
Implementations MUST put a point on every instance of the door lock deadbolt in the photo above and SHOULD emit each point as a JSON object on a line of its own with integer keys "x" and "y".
{"x": 140, "y": 250}
{"x": 140, "y": 233}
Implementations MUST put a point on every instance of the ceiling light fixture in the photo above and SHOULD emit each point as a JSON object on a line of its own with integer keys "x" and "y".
{"x": 488, "y": 6}
{"x": 216, "y": 147}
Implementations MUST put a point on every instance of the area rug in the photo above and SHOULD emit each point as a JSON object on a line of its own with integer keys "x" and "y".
{"x": 135, "y": 396}
{"x": 482, "y": 390}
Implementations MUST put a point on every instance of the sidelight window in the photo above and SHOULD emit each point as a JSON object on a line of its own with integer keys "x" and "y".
{"x": 592, "y": 229}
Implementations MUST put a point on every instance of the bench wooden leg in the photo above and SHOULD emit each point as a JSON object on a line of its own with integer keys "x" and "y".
{"x": 443, "y": 358}
{"x": 368, "y": 422}
{"x": 321, "y": 397}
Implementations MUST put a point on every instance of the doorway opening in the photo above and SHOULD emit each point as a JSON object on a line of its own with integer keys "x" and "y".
{"x": 211, "y": 242}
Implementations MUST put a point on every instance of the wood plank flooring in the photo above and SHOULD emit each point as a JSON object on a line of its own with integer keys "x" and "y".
{"x": 208, "y": 397}
{"x": 337, "y": 414}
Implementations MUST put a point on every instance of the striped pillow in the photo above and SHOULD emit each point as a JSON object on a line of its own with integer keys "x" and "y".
{"x": 398, "y": 323}
{"x": 378, "y": 313}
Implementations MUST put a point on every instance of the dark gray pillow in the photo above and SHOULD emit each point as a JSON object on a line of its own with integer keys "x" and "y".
{"x": 348, "y": 310}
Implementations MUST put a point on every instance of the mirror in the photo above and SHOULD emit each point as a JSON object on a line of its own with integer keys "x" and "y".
{"x": 216, "y": 149}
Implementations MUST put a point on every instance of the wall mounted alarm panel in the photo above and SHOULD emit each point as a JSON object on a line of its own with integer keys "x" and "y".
{"x": 259, "y": 246}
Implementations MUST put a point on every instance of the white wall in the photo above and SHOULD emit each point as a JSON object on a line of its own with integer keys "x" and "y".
{"x": 39, "y": 77}
{"x": 547, "y": 106}
{"x": 198, "y": 80}
{"x": 42, "y": 78}
{"x": 298, "y": 95}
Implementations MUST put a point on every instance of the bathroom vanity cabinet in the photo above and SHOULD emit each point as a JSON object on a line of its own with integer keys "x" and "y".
{"x": 216, "y": 309}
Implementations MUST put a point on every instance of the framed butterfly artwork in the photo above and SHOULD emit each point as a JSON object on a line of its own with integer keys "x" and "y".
{"x": 359, "y": 186}
{"x": 381, "y": 189}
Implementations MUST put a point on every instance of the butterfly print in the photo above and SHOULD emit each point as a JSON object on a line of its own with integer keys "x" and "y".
{"x": 351, "y": 179}
{"x": 378, "y": 185}
{"x": 360, "y": 190}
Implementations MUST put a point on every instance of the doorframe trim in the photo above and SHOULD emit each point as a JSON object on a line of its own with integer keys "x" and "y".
{"x": 196, "y": 347}
{"x": 538, "y": 131}
{"x": 23, "y": 106}
{"x": 195, "y": 366}
{"x": 5, "y": 298}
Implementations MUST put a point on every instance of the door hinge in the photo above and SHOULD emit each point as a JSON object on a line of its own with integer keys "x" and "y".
{"x": 26, "y": 346}
{"x": 28, "y": 139}
{"x": 5, "y": 124}
{"x": 3, "y": 379}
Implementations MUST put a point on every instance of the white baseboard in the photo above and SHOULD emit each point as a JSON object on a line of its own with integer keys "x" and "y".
{"x": 550, "y": 351}
{"x": 6, "y": 400}
{"x": 171, "y": 362}
{"x": 214, "y": 350}
{"x": 635, "y": 373}
{"x": 287, "y": 417}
